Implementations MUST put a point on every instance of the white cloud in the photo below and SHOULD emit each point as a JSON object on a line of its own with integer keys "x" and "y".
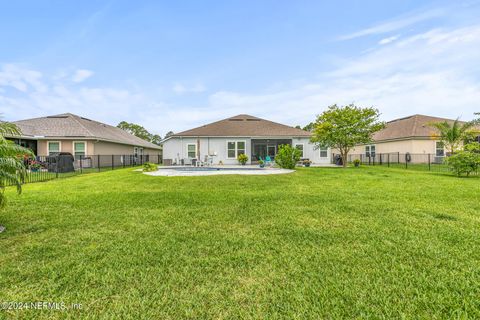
{"x": 21, "y": 78}
{"x": 397, "y": 23}
{"x": 388, "y": 40}
{"x": 432, "y": 73}
{"x": 81, "y": 75}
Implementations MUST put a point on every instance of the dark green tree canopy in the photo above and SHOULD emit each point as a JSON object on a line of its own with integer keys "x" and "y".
{"x": 139, "y": 131}
{"x": 343, "y": 127}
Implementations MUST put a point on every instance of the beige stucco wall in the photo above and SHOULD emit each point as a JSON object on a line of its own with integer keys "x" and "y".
{"x": 416, "y": 146}
{"x": 103, "y": 147}
{"x": 65, "y": 146}
{"x": 94, "y": 148}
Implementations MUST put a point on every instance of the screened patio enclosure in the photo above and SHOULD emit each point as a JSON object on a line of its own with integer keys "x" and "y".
{"x": 263, "y": 147}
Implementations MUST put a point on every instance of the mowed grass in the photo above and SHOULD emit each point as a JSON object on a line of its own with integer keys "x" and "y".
{"x": 318, "y": 243}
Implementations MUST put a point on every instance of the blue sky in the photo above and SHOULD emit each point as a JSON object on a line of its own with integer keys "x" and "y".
{"x": 178, "y": 64}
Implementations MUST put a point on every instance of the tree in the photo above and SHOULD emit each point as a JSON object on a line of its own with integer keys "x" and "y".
{"x": 453, "y": 134}
{"x": 12, "y": 168}
{"x": 168, "y": 134}
{"x": 139, "y": 131}
{"x": 309, "y": 127}
{"x": 344, "y": 127}
{"x": 156, "y": 139}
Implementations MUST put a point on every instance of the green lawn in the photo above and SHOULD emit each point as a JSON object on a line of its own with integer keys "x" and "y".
{"x": 318, "y": 243}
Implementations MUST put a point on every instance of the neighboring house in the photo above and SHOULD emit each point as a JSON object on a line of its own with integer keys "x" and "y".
{"x": 224, "y": 140}
{"x": 79, "y": 136}
{"x": 406, "y": 135}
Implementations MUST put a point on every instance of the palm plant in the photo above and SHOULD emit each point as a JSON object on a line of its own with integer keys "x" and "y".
{"x": 452, "y": 134}
{"x": 12, "y": 168}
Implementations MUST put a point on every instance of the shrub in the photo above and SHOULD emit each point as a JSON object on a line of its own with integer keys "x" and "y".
{"x": 287, "y": 156}
{"x": 473, "y": 147}
{"x": 242, "y": 158}
{"x": 464, "y": 162}
{"x": 34, "y": 165}
{"x": 149, "y": 167}
{"x": 356, "y": 162}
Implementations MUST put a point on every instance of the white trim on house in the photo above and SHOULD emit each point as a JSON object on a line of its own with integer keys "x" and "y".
{"x": 236, "y": 148}
{"x": 54, "y": 141}
{"x": 442, "y": 148}
{"x": 370, "y": 150}
{"x": 236, "y": 137}
{"x": 295, "y": 144}
{"x": 191, "y": 144}
{"x": 85, "y": 146}
{"x": 323, "y": 149}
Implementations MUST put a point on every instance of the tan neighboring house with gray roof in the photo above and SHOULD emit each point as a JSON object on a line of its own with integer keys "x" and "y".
{"x": 222, "y": 141}
{"x": 80, "y": 137}
{"x": 410, "y": 135}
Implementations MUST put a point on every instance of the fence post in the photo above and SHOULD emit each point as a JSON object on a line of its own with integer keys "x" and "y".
{"x": 429, "y": 163}
{"x": 361, "y": 158}
{"x": 112, "y": 160}
{"x": 398, "y": 157}
{"x": 406, "y": 162}
{"x": 56, "y": 166}
{"x": 81, "y": 169}
{"x": 124, "y": 159}
{"x": 388, "y": 159}
{"x": 98, "y": 162}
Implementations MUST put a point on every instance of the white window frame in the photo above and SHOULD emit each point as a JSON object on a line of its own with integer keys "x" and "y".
{"x": 303, "y": 149}
{"x": 437, "y": 148}
{"x": 236, "y": 148}
{"x": 325, "y": 149}
{"x": 369, "y": 152}
{"x": 192, "y": 144}
{"x": 59, "y": 146}
{"x": 73, "y": 147}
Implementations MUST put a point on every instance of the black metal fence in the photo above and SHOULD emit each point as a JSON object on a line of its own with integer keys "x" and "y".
{"x": 412, "y": 161}
{"x": 43, "y": 168}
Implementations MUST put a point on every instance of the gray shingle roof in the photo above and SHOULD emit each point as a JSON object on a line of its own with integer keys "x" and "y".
{"x": 244, "y": 125}
{"x": 68, "y": 125}
{"x": 415, "y": 126}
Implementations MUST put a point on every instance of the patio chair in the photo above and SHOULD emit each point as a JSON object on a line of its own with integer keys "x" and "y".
{"x": 187, "y": 161}
{"x": 208, "y": 161}
{"x": 268, "y": 161}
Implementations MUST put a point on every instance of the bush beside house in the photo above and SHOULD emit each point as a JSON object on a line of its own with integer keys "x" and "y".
{"x": 287, "y": 156}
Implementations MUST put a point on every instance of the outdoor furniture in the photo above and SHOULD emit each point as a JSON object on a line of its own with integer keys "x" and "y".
{"x": 268, "y": 161}
{"x": 208, "y": 161}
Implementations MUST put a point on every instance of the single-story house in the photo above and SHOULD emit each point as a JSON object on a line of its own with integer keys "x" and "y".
{"x": 411, "y": 135}
{"x": 223, "y": 141}
{"x": 79, "y": 136}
